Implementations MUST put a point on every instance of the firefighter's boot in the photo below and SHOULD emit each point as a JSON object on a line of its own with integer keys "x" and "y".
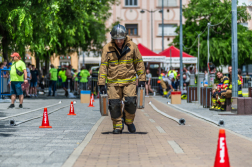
{"x": 116, "y": 115}
{"x": 222, "y": 106}
{"x": 164, "y": 92}
{"x": 117, "y": 131}
{"x": 130, "y": 110}
{"x": 131, "y": 128}
{"x": 214, "y": 100}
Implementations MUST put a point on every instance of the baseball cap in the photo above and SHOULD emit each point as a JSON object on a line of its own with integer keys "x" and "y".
{"x": 15, "y": 54}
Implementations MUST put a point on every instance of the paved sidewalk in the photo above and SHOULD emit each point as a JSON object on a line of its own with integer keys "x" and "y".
{"x": 27, "y": 145}
{"x": 240, "y": 124}
{"x": 194, "y": 143}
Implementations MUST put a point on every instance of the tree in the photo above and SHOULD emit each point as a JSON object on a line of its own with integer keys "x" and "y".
{"x": 200, "y": 12}
{"x": 52, "y": 26}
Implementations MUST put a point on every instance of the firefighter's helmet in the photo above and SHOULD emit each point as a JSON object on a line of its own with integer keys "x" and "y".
{"x": 118, "y": 32}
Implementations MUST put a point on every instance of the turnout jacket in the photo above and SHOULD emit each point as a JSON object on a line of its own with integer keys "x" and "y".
{"x": 121, "y": 69}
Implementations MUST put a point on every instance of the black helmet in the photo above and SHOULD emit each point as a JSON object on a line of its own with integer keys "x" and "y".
{"x": 118, "y": 32}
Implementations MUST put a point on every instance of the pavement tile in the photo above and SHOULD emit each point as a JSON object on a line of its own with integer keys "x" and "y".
{"x": 198, "y": 139}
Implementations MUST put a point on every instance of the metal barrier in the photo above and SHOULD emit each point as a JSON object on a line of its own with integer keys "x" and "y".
{"x": 4, "y": 83}
{"x": 154, "y": 84}
{"x": 246, "y": 81}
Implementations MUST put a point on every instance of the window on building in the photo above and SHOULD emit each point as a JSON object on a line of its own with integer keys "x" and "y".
{"x": 168, "y": 3}
{"x": 131, "y": 3}
{"x": 169, "y": 30}
{"x": 244, "y": 24}
{"x": 132, "y": 29}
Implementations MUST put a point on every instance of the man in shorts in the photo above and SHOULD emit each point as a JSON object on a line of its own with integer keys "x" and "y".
{"x": 53, "y": 80}
{"x": 18, "y": 76}
{"x": 28, "y": 70}
{"x": 34, "y": 81}
{"x": 62, "y": 75}
{"x": 84, "y": 74}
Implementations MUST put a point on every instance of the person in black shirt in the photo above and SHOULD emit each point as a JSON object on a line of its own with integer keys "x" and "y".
{"x": 34, "y": 81}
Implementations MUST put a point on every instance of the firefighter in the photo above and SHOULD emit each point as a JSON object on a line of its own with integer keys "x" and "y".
{"x": 161, "y": 76}
{"x": 229, "y": 93}
{"x": 222, "y": 80}
{"x": 120, "y": 62}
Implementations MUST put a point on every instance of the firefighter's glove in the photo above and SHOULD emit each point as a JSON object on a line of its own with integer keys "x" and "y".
{"x": 141, "y": 84}
{"x": 103, "y": 89}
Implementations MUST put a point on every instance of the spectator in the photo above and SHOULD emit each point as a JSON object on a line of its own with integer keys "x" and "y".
{"x": 240, "y": 74}
{"x": 172, "y": 73}
{"x": 84, "y": 74}
{"x": 5, "y": 64}
{"x": 5, "y": 68}
{"x": 28, "y": 67}
{"x": 69, "y": 77}
{"x": 1, "y": 68}
{"x": 62, "y": 75}
{"x": 34, "y": 81}
{"x": 206, "y": 77}
{"x": 18, "y": 75}
{"x": 187, "y": 73}
{"x": 76, "y": 80}
{"x": 53, "y": 79}
{"x": 148, "y": 83}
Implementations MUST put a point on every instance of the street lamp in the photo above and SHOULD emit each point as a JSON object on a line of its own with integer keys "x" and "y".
{"x": 151, "y": 11}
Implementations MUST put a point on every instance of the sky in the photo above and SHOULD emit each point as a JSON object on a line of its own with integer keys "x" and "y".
{"x": 240, "y": 2}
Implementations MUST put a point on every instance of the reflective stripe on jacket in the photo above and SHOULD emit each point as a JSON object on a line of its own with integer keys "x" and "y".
{"x": 121, "y": 69}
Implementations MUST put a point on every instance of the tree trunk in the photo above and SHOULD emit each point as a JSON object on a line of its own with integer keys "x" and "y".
{"x": 5, "y": 47}
{"x": 23, "y": 57}
{"x": 47, "y": 62}
{"x": 37, "y": 61}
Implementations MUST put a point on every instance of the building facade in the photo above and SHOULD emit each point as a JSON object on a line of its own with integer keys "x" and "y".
{"x": 146, "y": 28}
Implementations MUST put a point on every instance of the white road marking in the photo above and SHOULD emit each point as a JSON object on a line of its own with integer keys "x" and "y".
{"x": 151, "y": 120}
{"x": 176, "y": 148}
{"x": 161, "y": 130}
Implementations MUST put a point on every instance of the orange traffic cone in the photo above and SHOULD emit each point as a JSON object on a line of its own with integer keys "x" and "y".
{"x": 45, "y": 120}
{"x": 71, "y": 111}
{"x": 91, "y": 102}
{"x": 221, "y": 159}
{"x": 93, "y": 97}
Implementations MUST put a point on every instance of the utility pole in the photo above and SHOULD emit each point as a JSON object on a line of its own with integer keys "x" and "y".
{"x": 181, "y": 48}
{"x": 83, "y": 57}
{"x": 208, "y": 49}
{"x": 198, "y": 85}
{"x": 234, "y": 50}
{"x": 162, "y": 25}
{"x": 170, "y": 58}
{"x": 198, "y": 52}
{"x": 151, "y": 11}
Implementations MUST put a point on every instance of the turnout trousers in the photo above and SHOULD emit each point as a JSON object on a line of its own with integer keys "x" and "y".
{"x": 127, "y": 109}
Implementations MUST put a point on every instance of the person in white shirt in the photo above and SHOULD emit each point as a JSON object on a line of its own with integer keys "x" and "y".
{"x": 28, "y": 67}
{"x": 148, "y": 83}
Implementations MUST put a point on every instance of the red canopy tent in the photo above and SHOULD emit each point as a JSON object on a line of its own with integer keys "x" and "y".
{"x": 148, "y": 55}
{"x": 175, "y": 52}
{"x": 172, "y": 56}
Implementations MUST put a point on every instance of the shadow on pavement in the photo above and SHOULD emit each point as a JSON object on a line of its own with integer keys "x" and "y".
{"x": 4, "y": 129}
{"x": 2, "y": 114}
{"x": 140, "y": 133}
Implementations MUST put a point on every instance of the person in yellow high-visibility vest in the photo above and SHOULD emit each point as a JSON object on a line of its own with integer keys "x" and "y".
{"x": 76, "y": 80}
{"x": 173, "y": 73}
{"x": 84, "y": 74}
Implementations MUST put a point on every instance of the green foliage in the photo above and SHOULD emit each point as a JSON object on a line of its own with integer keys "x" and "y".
{"x": 200, "y": 12}
{"x": 53, "y": 26}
